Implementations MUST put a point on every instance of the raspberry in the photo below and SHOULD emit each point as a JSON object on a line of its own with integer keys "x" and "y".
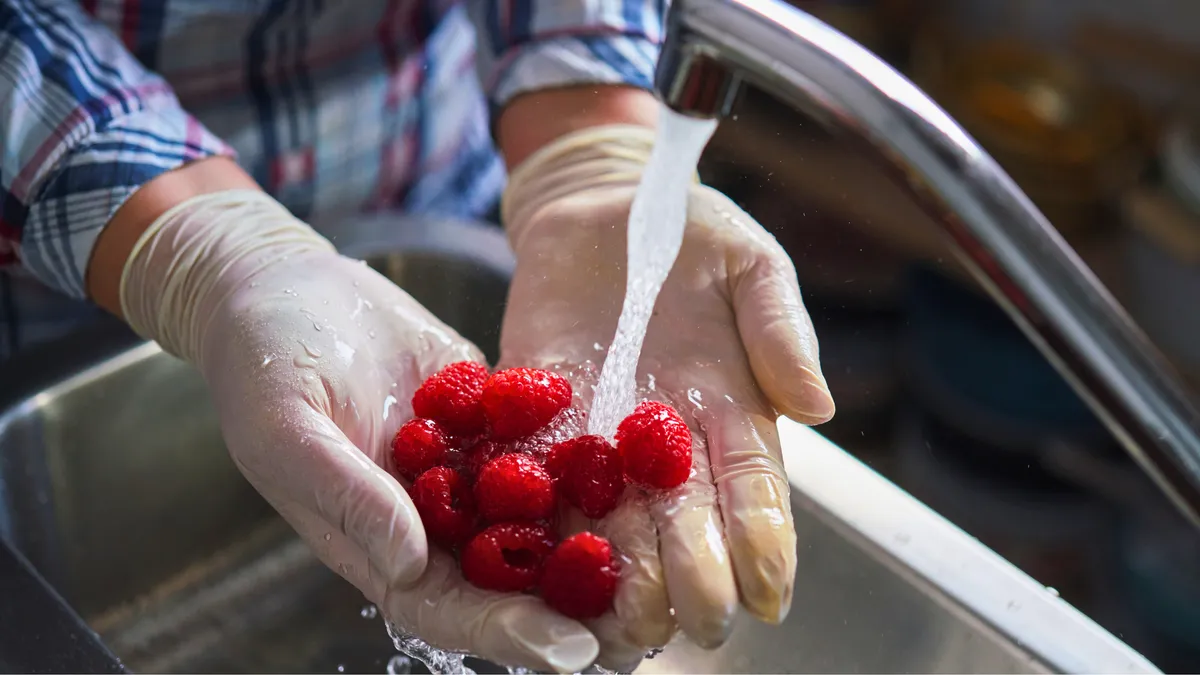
{"x": 447, "y": 507}
{"x": 478, "y": 456}
{"x": 451, "y": 397}
{"x": 589, "y": 472}
{"x": 507, "y": 557}
{"x": 558, "y": 458}
{"x": 519, "y": 401}
{"x": 514, "y": 487}
{"x": 655, "y": 446}
{"x": 580, "y": 577}
{"x": 419, "y": 446}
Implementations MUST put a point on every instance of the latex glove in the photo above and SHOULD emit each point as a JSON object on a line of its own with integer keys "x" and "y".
{"x": 312, "y": 359}
{"x": 729, "y": 345}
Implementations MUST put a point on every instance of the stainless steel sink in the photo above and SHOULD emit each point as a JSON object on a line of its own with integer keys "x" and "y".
{"x": 114, "y": 482}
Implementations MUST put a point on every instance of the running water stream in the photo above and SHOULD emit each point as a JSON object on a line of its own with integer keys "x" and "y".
{"x": 656, "y": 225}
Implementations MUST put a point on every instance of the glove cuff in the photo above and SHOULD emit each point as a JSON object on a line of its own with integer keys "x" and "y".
{"x": 184, "y": 265}
{"x": 596, "y": 156}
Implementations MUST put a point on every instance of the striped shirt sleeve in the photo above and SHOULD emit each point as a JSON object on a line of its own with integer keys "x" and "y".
{"x": 528, "y": 45}
{"x": 83, "y": 126}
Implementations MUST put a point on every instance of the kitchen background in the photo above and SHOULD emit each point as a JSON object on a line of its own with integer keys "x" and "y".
{"x": 1091, "y": 107}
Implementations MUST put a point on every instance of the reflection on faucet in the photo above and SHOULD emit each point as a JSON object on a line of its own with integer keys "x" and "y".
{"x": 714, "y": 45}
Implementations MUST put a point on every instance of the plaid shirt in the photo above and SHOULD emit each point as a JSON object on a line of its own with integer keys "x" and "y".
{"x": 335, "y": 106}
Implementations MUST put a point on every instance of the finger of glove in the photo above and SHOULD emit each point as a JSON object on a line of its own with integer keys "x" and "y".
{"x": 315, "y": 466}
{"x": 780, "y": 340}
{"x": 618, "y": 651}
{"x": 510, "y": 629}
{"x": 642, "y": 604}
{"x": 747, "y": 468}
{"x": 696, "y": 562}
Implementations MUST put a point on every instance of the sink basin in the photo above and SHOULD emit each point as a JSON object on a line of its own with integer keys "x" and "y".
{"x": 115, "y": 484}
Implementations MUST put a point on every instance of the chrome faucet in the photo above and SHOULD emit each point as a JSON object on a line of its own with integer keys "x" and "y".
{"x": 713, "y": 46}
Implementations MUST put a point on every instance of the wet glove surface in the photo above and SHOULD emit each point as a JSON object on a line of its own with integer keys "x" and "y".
{"x": 730, "y": 345}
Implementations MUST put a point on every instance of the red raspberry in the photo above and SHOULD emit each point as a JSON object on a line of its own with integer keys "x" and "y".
{"x": 478, "y": 456}
{"x": 451, "y": 397}
{"x": 558, "y": 458}
{"x": 519, "y": 401}
{"x": 447, "y": 507}
{"x": 589, "y": 472}
{"x": 419, "y": 446}
{"x": 655, "y": 446}
{"x": 514, "y": 487}
{"x": 507, "y": 557}
{"x": 580, "y": 577}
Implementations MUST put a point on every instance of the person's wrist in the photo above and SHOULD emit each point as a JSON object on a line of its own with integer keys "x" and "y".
{"x": 534, "y": 120}
{"x": 118, "y": 238}
{"x": 201, "y": 255}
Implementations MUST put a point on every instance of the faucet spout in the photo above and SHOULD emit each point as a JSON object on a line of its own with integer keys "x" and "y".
{"x": 713, "y": 46}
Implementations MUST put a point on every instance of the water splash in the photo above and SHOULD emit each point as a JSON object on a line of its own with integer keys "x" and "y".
{"x": 369, "y": 612}
{"x": 399, "y": 665}
{"x": 439, "y": 662}
{"x": 656, "y": 223}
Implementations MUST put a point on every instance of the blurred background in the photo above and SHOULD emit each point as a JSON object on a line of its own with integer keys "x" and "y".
{"x": 1093, "y": 107}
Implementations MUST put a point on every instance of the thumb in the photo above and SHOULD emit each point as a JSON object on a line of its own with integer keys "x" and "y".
{"x": 780, "y": 341}
{"x": 356, "y": 503}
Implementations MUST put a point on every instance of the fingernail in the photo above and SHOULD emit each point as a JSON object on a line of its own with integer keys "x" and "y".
{"x": 820, "y": 400}
{"x": 565, "y": 648}
{"x": 765, "y": 566}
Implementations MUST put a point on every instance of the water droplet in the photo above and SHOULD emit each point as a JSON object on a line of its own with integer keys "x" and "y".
{"x": 328, "y": 536}
{"x": 267, "y": 361}
{"x": 369, "y": 612}
{"x": 317, "y": 326}
{"x": 311, "y": 351}
{"x": 387, "y": 405}
{"x": 399, "y": 665}
{"x": 695, "y": 397}
{"x": 1052, "y": 591}
{"x": 597, "y": 346}
{"x": 341, "y": 668}
{"x": 253, "y": 284}
{"x": 371, "y": 333}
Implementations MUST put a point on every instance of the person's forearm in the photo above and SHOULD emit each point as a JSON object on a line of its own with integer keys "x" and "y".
{"x": 157, "y": 196}
{"x": 533, "y": 120}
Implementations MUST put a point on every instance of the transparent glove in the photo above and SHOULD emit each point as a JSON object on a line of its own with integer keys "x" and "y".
{"x": 730, "y": 345}
{"x": 312, "y": 359}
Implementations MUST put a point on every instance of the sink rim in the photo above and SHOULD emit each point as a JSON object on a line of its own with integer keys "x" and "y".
{"x": 905, "y": 534}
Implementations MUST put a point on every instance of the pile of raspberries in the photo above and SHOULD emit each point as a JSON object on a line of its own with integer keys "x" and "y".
{"x": 490, "y": 493}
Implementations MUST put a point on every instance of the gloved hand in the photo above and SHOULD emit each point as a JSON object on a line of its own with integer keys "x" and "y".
{"x": 312, "y": 360}
{"x": 730, "y": 345}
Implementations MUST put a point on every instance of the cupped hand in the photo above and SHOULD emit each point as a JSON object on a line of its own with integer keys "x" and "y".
{"x": 312, "y": 360}
{"x": 730, "y": 345}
